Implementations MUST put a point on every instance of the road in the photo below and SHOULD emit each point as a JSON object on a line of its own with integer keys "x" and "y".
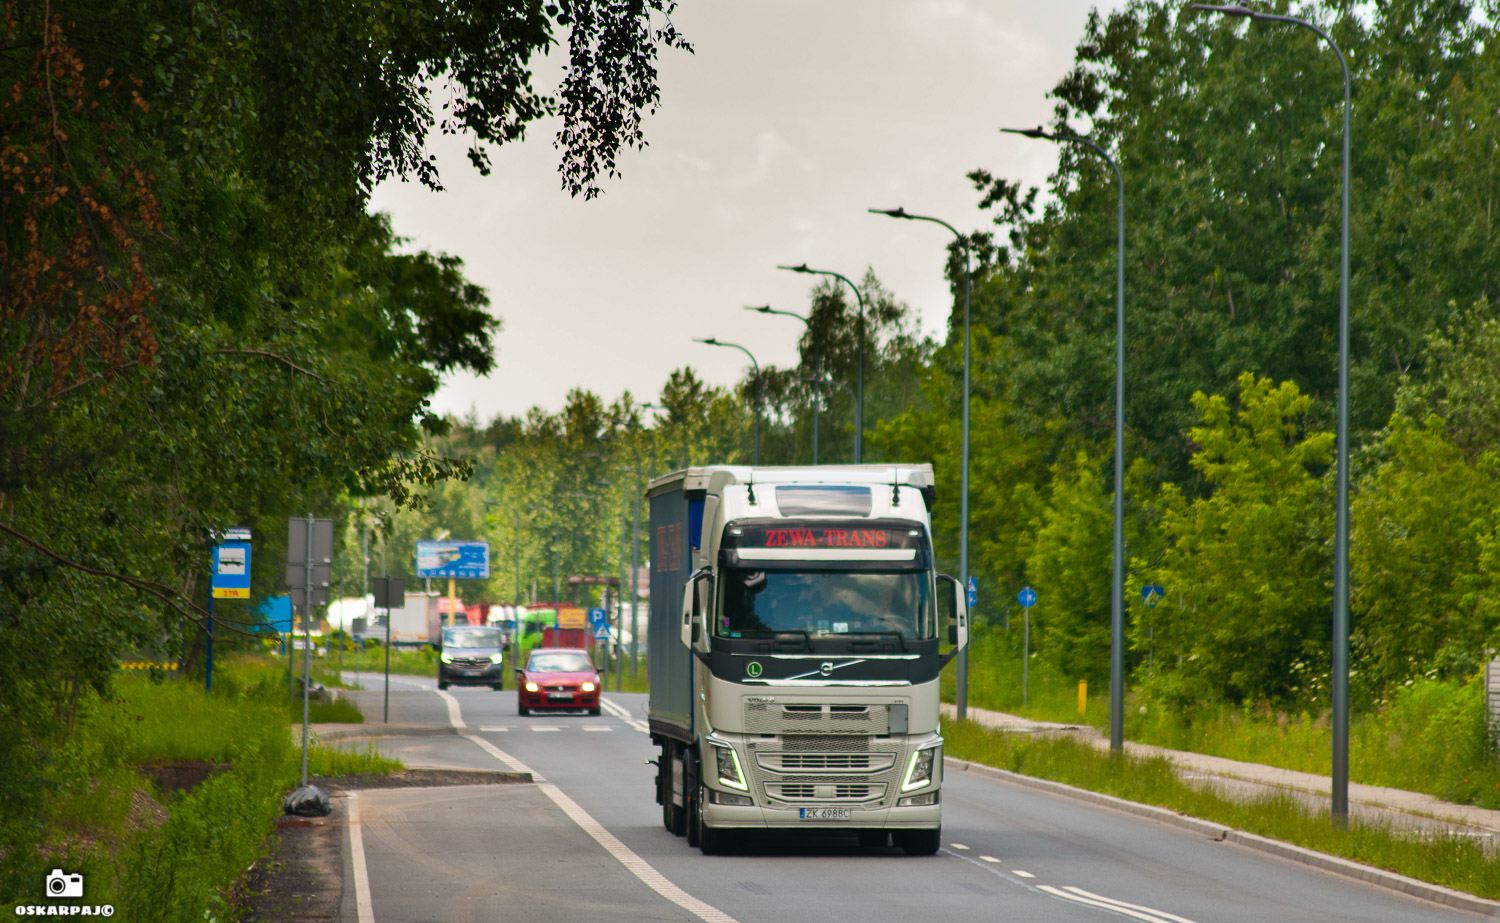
{"x": 588, "y": 844}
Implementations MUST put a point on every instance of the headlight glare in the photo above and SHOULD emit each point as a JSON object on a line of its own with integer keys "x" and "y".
{"x": 587, "y": 687}
{"x": 532, "y": 687}
{"x": 446, "y": 657}
{"x": 497, "y": 658}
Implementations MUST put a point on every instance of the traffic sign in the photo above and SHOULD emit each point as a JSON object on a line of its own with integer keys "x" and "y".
{"x": 598, "y": 618}
{"x": 601, "y": 633}
{"x": 1027, "y": 598}
{"x": 231, "y": 576}
{"x": 1150, "y": 594}
{"x": 973, "y": 591}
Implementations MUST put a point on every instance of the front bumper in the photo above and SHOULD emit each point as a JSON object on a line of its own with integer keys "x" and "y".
{"x": 471, "y": 676}
{"x": 544, "y": 699}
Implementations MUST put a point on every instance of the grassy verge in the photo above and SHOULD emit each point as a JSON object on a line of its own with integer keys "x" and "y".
{"x": 158, "y": 854}
{"x": 1453, "y": 862}
{"x": 1430, "y": 736}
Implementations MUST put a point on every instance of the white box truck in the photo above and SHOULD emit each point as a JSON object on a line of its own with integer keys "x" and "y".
{"x": 797, "y": 630}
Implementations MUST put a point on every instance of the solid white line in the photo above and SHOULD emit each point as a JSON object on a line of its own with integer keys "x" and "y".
{"x": 633, "y": 863}
{"x": 1145, "y": 913}
{"x": 454, "y": 717}
{"x": 363, "y": 906}
{"x": 1118, "y": 903}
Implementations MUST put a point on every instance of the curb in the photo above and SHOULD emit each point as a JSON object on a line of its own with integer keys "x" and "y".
{"x": 383, "y": 730}
{"x": 1220, "y": 833}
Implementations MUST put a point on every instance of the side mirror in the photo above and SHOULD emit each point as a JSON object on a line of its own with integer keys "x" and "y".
{"x": 692, "y": 616}
{"x": 956, "y": 604}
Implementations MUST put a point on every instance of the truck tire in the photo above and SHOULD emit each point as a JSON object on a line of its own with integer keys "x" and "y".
{"x": 711, "y": 841}
{"x": 919, "y": 842}
{"x": 691, "y": 790}
{"x": 674, "y": 818}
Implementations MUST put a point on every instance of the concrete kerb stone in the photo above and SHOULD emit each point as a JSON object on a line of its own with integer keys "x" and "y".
{"x": 1221, "y": 833}
{"x": 347, "y": 731}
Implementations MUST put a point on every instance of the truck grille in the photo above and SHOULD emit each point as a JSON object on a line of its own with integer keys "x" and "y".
{"x": 782, "y": 718}
{"x": 825, "y": 762}
{"x": 803, "y": 791}
{"x": 826, "y": 768}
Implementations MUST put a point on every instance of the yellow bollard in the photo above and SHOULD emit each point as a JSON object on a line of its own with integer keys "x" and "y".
{"x": 1083, "y": 696}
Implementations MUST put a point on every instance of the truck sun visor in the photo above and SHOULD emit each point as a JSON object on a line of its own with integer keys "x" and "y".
{"x": 823, "y": 500}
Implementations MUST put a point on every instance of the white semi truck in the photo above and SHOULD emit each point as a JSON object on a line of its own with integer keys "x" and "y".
{"x": 797, "y": 630}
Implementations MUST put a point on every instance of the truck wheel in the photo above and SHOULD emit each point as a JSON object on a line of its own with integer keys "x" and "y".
{"x": 712, "y": 842}
{"x": 919, "y": 842}
{"x": 692, "y": 791}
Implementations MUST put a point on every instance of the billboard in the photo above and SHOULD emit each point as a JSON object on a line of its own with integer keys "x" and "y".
{"x": 464, "y": 560}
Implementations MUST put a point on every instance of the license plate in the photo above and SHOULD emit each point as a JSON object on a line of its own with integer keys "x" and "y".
{"x": 559, "y": 695}
{"x": 823, "y": 813}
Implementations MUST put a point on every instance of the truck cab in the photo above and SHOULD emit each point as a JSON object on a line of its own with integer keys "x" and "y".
{"x": 798, "y": 628}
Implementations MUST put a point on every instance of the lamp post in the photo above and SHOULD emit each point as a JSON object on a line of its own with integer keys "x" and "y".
{"x": 961, "y": 692}
{"x": 755, "y": 454}
{"x": 1117, "y": 576}
{"x": 859, "y": 368}
{"x": 1340, "y": 805}
{"x": 767, "y": 309}
{"x": 648, "y": 404}
{"x": 829, "y": 382}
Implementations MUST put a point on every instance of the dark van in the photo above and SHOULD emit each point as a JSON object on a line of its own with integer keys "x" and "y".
{"x": 471, "y": 655}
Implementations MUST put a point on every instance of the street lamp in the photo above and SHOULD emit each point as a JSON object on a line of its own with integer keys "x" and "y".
{"x": 859, "y": 369}
{"x": 668, "y": 412}
{"x": 829, "y": 382}
{"x": 1117, "y": 577}
{"x": 755, "y": 455}
{"x": 1340, "y": 806}
{"x": 962, "y": 690}
{"x": 767, "y": 309}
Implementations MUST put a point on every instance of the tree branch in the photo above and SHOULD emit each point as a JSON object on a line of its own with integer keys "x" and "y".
{"x": 269, "y": 355}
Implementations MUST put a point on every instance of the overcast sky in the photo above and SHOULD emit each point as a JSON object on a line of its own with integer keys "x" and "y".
{"x": 791, "y": 119}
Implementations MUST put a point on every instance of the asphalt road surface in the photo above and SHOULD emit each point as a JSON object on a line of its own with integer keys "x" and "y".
{"x": 587, "y": 844}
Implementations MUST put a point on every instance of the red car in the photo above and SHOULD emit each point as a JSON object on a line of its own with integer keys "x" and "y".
{"x": 556, "y": 677}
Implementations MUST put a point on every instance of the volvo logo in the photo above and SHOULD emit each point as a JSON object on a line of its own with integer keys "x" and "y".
{"x": 827, "y": 668}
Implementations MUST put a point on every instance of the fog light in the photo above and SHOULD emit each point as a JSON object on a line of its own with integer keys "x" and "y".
{"x": 912, "y": 801}
{"x": 718, "y": 797}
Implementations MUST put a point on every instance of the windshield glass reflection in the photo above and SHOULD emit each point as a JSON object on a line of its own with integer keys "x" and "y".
{"x": 825, "y": 603}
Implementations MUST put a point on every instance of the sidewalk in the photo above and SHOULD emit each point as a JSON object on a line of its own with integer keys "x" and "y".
{"x": 1249, "y": 779}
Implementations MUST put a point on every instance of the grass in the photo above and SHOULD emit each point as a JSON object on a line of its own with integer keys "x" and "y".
{"x": 1430, "y": 736}
{"x": 1451, "y": 861}
{"x": 161, "y": 855}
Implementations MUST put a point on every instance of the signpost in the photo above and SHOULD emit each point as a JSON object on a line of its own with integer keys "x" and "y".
{"x": 1149, "y": 596}
{"x": 309, "y": 541}
{"x": 230, "y": 580}
{"x": 388, "y": 589}
{"x": 1027, "y": 599}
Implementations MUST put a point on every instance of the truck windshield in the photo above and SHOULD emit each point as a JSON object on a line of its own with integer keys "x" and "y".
{"x": 822, "y": 603}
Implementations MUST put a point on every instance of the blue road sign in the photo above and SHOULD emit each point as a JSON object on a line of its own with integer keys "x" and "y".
{"x": 1027, "y": 598}
{"x": 231, "y": 576}
{"x": 601, "y": 633}
{"x": 598, "y": 619}
{"x": 973, "y": 591}
{"x": 1150, "y": 594}
{"x": 464, "y": 560}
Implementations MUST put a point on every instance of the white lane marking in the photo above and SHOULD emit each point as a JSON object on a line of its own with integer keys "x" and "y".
{"x": 494, "y": 730}
{"x": 510, "y": 762}
{"x": 958, "y": 846}
{"x": 988, "y": 859}
{"x": 454, "y": 717}
{"x": 619, "y": 711}
{"x": 363, "y": 906}
{"x": 598, "y": 729}
{"x": 1129, "y": 910}
{"x": 1020, "y": 874}
{"x": 633, "y": 863}
{"x": 545, "y": 729}
{"x": 1162, "y": 914}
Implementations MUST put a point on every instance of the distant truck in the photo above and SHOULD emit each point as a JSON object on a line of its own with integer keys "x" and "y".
{"x": 416, "y": 623}
{"x": 797, "y": 629}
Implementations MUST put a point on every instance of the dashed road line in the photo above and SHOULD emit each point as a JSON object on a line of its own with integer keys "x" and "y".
{"x": 958, "y": 846}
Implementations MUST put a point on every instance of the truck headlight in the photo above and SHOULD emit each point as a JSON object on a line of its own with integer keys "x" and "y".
{"x": 446, "y": 658}
{"x": 729, "y": 767}
{"x": 919, "y": 772}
